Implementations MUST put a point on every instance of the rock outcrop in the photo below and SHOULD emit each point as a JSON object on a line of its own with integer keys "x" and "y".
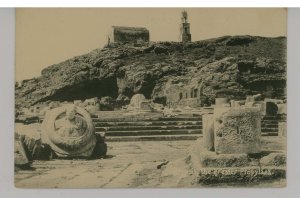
{"x": 229, "y": 66}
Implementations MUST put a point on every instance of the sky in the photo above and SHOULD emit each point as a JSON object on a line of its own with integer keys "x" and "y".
{"x": 46, "y": 36}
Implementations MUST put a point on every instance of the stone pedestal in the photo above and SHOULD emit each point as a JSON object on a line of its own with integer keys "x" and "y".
{"x": 237, "y": 131}
{"x": 208, "y": 131}
{"x": 212, "y": 168}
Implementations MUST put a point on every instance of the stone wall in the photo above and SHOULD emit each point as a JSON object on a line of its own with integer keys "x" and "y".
{"x": 188, "y": 94}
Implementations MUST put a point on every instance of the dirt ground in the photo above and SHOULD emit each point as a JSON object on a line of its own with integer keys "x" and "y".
{"x": 128, "y": 164}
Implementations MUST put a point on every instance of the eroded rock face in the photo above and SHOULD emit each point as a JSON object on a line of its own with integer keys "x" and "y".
{"x": 69, "y": 131}
{"x": 238, "y": 131}
{"x": 223, "y": 66}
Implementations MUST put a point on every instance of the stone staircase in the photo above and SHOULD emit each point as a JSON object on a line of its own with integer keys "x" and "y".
{"x": 269, "y": 124}
{"x": 183, "y": 127}
{"x": 155, "y": 127}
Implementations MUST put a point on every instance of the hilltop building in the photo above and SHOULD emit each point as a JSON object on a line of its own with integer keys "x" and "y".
{"x": 121, "y": 34}
{"x": 185, "y": 28}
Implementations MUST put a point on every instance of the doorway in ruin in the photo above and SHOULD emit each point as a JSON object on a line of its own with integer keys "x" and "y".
{"x": 180, "y": 96}
{"x": 195, "y": 93}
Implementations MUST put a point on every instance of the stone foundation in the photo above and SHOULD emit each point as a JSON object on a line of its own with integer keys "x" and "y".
{"x": 242, "y": 175}
{"x": 211, "y": 168}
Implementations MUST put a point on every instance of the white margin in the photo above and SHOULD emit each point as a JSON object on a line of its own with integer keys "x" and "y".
{"x": 8, "y": 190}
{"x": 152, "y": 3}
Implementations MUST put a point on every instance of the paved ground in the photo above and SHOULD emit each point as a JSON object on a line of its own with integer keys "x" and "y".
{"x": 128, "y": 164}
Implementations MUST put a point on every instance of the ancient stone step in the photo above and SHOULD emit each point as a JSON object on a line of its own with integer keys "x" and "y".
{"x": 129, "y": 119}
{"x": 146, "y": 128}
{"x": 162, "y": 137}
{"x": 269, "y": 134}
{"x": 269, "y": 130}
{"x": 127, "y": 114}
{"x": 152, "y": 132}
{"x": 270, "y": 122}
{"x": 270, "y": 117}
{"x": 180, "y": 118}
{"x": 164, "y": 128}
{"x": 98, "y": 123}
{"x": 266, "y": 125}
{"x": 151, "y": 138}
{"x": 269, "y": 126}
{"x": 275, "y": 117}
{"x": 140, "y": 128}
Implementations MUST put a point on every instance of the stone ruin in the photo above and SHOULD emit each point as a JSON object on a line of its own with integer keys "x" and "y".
{"x": 138, "y": 102}
{"x": 231, "y": 130}
{"x": 231, "y": 149}
{"x": 237, "y": 131}
{"x": 36, "y": 113}
{"x": 136, "y": 35}
{"x": 184, "y": 94}
{"x": 67, "y": 132}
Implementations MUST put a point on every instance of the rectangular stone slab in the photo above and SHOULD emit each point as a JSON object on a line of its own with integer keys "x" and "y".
{"x": 242, "y": 175}
{"x": 238, "y": 131}
{"x": 208, "y": 131}
{"x": 282, "y": 129}
{"x": 211, "y": 159}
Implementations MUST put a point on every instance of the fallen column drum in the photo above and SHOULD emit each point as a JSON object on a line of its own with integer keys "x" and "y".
{"x": 69, "y": 131}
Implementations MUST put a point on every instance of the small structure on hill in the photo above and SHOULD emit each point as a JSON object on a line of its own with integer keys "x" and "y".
{"x": 121, "y": 34}
{"x": 185, "y": 28}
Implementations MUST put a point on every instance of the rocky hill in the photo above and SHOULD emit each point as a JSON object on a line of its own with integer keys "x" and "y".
{"x": 232, "y": 66}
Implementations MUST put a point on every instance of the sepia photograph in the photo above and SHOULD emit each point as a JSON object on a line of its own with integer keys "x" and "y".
{"x": 150, "y": 98}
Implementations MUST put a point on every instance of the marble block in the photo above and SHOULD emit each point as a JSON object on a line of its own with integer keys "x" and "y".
{"x": 208, "y": 131}
{"x": 238, "y": 131}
